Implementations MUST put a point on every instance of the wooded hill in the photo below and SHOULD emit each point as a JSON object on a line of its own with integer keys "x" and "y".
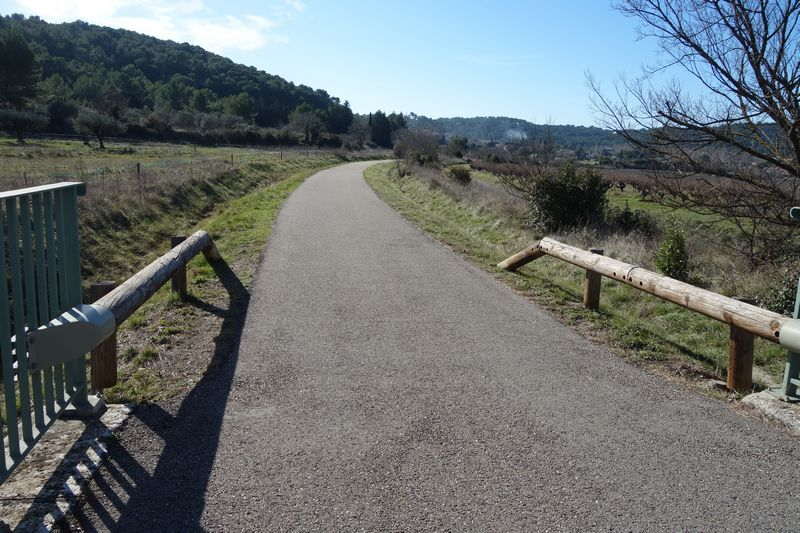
{"x": 154, "y": 85}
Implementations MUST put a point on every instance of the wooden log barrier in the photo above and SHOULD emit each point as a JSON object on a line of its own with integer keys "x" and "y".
{"x": 746, "y": 320}
{"x": 747, "y": 317}
{"x": 126, "y": 298}
{"x": 521, "y": 258}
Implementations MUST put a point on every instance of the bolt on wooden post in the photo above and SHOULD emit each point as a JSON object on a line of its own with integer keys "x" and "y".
{"x": 179, "y": 277}
{"x": 591, "y": 286}
{"x": 104, "y": 356}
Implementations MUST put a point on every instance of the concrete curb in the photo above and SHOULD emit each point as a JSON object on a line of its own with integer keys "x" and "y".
{"x": 774, "y": 409}
{"x": 51, "y": 479}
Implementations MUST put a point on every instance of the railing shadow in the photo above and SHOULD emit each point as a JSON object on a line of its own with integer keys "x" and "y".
{"x": 575, "y": 297}
{"x": 126, "y": 495}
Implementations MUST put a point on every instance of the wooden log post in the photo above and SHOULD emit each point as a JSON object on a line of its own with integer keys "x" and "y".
{"x": 179, "y": 277}
{"x": 104, "y": 356}
{"x": 520, "y": 259}
{"x": 139, "y": 181}
{"x": 126, "y": 298}
{"x": 740, "y": 360}
{"x": 591, "y": 286}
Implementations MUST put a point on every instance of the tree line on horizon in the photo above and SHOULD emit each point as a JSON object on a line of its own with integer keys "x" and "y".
{"x": 512, "y": 130}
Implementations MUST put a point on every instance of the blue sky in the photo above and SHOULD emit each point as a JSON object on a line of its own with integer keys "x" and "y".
{"x": 523, "y": 59}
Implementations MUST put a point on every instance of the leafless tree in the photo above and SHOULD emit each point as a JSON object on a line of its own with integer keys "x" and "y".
{"x": 533, "y": 161}
{"x": 418, "y": 147}
{"x": 735, "y": 148}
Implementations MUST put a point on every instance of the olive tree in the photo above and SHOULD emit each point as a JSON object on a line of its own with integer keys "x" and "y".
{"x": 100, "y": 125}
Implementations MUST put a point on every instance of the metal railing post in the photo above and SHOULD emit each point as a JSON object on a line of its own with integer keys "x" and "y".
{"x": 72, "y": 268}
{"x": 788, "y": 391}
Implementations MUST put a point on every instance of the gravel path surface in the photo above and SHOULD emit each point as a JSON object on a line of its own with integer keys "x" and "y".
{"x": 384, "y": 384}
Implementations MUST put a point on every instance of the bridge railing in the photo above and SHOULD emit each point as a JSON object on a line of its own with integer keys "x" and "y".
{"x": 40, "y": 272}
{"x": 746, "y": 321}
{"x": 45, "y": 330}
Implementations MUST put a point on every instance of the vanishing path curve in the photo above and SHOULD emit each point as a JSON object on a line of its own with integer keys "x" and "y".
{"x": 383, "y": 383}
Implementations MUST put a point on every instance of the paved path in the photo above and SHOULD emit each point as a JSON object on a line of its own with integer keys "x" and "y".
{"x": 384, "y": 384}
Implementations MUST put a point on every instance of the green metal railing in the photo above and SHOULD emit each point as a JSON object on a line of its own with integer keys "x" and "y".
{"x": 40, "y": 269}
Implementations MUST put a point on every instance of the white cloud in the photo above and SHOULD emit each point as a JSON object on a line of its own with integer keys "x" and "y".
{"x": 183, "y": 20}
{"x": 297, "y": 5}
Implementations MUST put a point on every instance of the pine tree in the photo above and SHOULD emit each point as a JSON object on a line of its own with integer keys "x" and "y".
{"x": 380, "y": 130}
{"x": 19, "y": 72}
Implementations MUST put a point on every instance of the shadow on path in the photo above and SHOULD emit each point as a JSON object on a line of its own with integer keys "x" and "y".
{"x": 162, "y": 488}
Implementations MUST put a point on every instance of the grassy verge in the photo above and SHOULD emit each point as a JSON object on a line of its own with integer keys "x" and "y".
{"x": 640, "y": 327}
{"x": 118, "y": 238}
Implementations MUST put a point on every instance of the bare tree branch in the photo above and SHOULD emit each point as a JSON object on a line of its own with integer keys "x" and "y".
{"x": 734, "y": 150}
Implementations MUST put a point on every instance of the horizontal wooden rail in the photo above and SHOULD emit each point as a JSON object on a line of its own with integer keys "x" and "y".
{"x": 751, "y": 318}
{"x": 126, "y": 299}
{"x": 745, "y": 319}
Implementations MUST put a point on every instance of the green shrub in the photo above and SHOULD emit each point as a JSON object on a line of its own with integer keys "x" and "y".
{"x": 780, "y": 298}
{"x": 460, "y": 174}
{"x": 566, "y": 198}
{"x": 457, "y": 146}
{"x": 672, "y": 259}
{"x": 628, "y": 220}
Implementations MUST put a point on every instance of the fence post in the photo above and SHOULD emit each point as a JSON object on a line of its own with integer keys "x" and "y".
{"x": 179, "y": 277}
{"x": 104, "y": 356}
{"x": 591, "y": 286}
{"x": 139, "y": 182}
{"x": 740, "y": 360}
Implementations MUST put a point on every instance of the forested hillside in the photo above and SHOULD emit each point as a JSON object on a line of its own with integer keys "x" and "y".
{"x": 504, "y": 129}
{"x": 141, "y": 85}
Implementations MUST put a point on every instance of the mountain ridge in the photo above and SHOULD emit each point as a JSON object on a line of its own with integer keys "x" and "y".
{"x": 505, "y": 129}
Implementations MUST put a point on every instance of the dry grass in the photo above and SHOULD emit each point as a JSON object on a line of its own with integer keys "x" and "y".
{"x": 124, "y": 172}
{"x": 138, "y": 194}
{"x": 715, "y": 263}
